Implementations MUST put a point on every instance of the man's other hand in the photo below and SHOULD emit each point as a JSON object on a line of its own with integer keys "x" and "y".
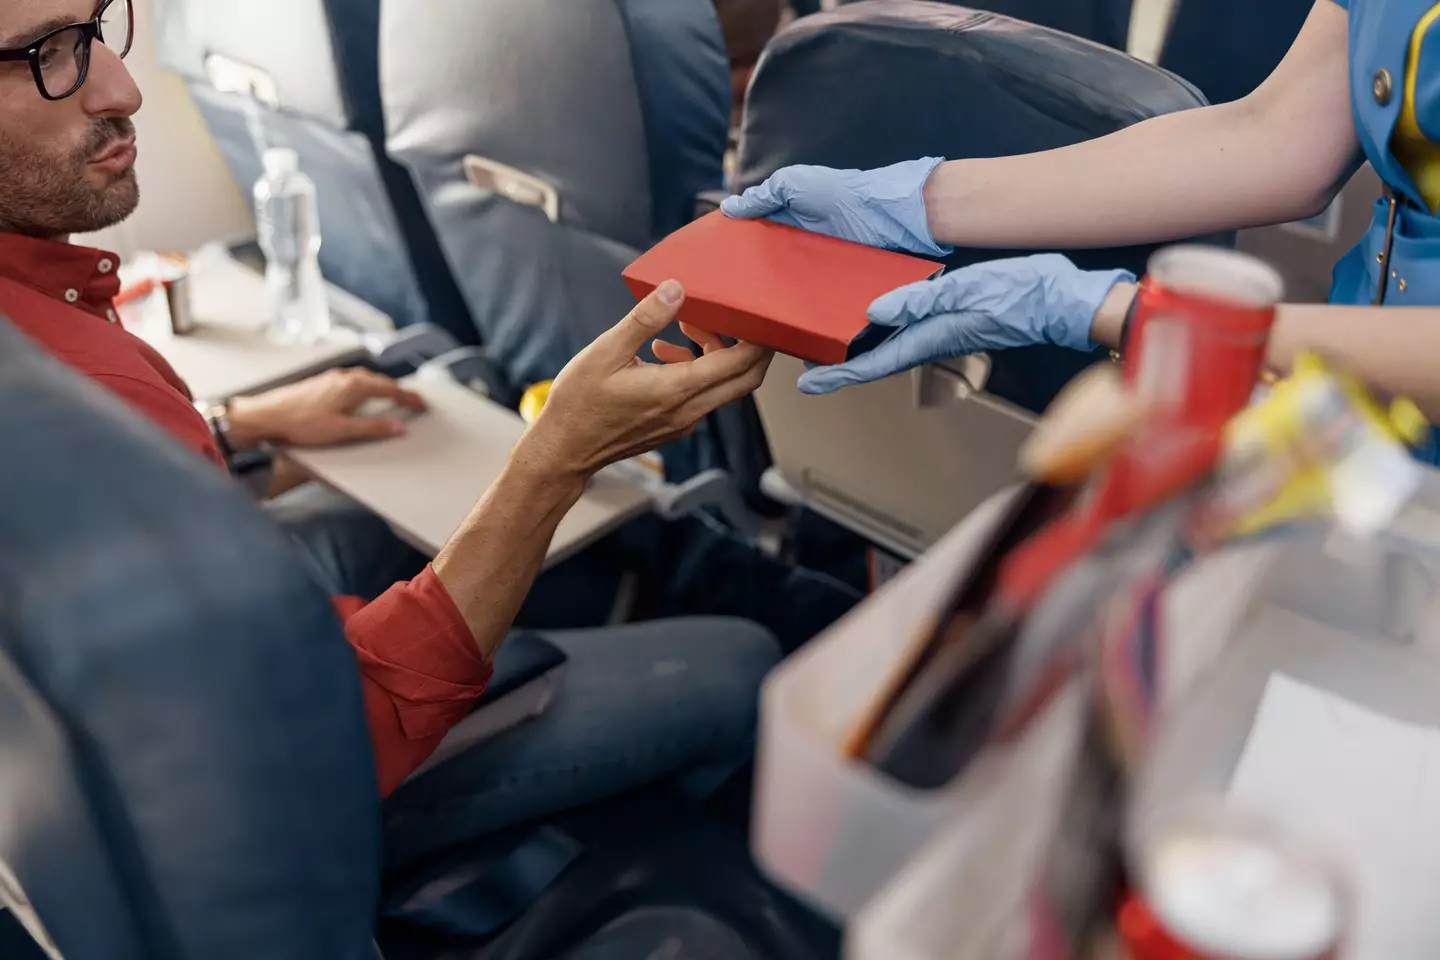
{"x": 320, "y": 411}
{"x": 608, "y": 405}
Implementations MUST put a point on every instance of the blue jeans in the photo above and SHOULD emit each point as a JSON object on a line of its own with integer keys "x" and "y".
{"x": 638, "y": 704}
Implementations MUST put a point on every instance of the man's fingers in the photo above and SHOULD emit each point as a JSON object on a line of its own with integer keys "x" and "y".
{"x": 722, "y": 365}
{"x": 650, "y": 316}
{"x": 704, "y": 339}
{"x": 728, "y": 391}
{"x": 367, "y": 384}
{"x": 411, "y": 399}
{"x": 667, "y": 352}
{"x": 682, "y": 383}
{"x": 368, "y": 428}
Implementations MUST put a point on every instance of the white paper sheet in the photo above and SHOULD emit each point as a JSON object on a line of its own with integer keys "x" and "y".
{"x": 1368, "y": 788}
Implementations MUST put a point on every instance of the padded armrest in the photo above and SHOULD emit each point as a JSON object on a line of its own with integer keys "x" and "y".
{"x": 473, "y": 367}
{"x": 528, "y": 671}
{"x": 404, "y": 351}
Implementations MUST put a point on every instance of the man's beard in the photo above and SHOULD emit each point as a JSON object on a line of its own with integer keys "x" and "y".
{"x": 43, "y": 197}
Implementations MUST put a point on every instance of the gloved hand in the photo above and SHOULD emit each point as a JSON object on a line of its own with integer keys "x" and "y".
{"x": 879, "y": 208}
{"x": 987, "y": 306}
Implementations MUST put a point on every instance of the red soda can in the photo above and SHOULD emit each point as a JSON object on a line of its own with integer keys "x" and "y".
{"x": 1198, "y": 331}
{"x": 1194, "y": 352}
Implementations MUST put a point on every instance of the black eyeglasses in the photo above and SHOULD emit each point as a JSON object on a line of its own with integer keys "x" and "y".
{"x": 60, "y": 60}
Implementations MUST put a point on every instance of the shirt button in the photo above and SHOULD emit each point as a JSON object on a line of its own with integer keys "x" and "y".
{"x": 110, "y": 315}
{"x": 72, "y": 295}
{"x": 1381, "y": 86}
{"x": 105, "y": 266}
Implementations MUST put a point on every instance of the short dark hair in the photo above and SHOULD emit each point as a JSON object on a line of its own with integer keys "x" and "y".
{"x": 748, "y": 26}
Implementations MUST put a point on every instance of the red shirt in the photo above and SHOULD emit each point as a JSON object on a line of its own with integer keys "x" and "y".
{"x": 419, "y": 666}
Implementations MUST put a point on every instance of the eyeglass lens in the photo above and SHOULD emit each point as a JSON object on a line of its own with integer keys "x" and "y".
{"x": 64, "y": 57}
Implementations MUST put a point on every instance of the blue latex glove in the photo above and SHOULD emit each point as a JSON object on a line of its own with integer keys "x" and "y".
{"x": 987, "y": 306}
{"x": 879, "y": 208}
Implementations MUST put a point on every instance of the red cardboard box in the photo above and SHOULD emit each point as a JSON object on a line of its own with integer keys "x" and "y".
{"x": 796, "y": 292}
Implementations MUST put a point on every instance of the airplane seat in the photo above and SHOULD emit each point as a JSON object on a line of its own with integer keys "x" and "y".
{"x": 188, "y": 771}
{"x": 597, "y": 125}
{"x": 874, "y": 83}
{"x": 1104, "y": 21}
{"x": 607, "y": 118}
{"x": 305, "y": 74}
{"x": 187, "y": 767}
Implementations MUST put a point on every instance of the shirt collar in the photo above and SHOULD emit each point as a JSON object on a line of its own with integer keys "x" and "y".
{"x": 82, "y": 276}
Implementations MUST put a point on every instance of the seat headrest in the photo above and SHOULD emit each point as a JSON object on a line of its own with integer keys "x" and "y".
{"x": 316, "y": 58}
{"x": 1104, "y": 21}
{"x": 621, "y": 105}
{"x": 191, "y": 710}
{"x": 874, "y": 83}
{"x": 903, "y": 78}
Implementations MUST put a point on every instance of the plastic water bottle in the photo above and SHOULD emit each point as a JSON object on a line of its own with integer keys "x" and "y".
{"x": 288, "y": 222}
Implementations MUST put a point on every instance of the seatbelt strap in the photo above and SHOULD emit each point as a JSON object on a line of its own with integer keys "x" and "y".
{"x": 478, "y": 899}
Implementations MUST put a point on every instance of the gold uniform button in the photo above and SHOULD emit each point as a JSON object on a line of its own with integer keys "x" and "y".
{"x": 1382, "y": 86}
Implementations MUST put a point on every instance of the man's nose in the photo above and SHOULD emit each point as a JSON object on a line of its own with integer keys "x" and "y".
{"x": 109, "y": 89}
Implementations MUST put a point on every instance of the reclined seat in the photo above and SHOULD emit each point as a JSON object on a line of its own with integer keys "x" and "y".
{"x": 1104, "y": 21}
{"x": 305, "y": 74}
{"x": 875, "y": 83}
{"x": 169, "y": 794}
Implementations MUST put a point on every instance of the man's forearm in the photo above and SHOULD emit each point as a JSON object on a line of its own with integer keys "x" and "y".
{"x": 491, "y": 562}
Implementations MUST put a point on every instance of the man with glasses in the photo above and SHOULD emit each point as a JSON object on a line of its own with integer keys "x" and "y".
{"x": 640, "y": 703}
{"x": 47, "y": 155}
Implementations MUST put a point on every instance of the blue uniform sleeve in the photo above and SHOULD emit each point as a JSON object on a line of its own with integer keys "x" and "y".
{"x": 1342, "y": 4}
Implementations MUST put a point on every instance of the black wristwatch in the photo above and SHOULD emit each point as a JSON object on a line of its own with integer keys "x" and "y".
{"x": 217, "y": 418}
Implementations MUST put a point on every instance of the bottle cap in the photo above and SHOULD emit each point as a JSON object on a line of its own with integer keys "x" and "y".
{"x": 280, "y": 161}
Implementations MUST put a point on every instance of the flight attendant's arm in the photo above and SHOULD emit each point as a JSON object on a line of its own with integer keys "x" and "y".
{"x": 1277, "y": 155}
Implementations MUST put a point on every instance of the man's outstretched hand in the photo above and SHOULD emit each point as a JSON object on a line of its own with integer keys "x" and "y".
{"x": 608, "y": 405}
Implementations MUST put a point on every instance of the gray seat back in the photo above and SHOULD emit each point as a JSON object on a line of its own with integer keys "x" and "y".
{"x": 185, "y": 767}
{"x": 620, "y": 107}
{"x": 305, "y": 74}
